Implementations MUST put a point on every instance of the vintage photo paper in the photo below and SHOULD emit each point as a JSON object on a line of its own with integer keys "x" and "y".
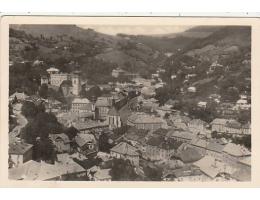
{"x": 129, "y": 102}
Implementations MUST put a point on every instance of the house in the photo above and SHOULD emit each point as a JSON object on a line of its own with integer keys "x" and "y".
{"x": 144, "y": 121}
{"x": 19, "y": 153}
{"x": 42, "y": 171}
{"x": 181, "y": 136}
{"x": 197, "y": 125}
{"x": 233, "y": 127}
{"x": 87, "y": 143}
{"x": 159, "y": 148}
{"x": 82, "y": 105}
{"x": 32, "y": 170}
{"x": 90, "y": 125}
{"x": 114, "y": 119}
{"x": 192, "y": 89}
{"x": 137, "y": 137}
{"x": 212, "y": 167}
{"x": 219, "y": 125}
{"x": 246, "y": 129}
{"x": 211, "y": 148}
{"x": 186, "y": 173}
{"x": 102, "y": 106}
{"x": 61, "y": 142}
{"x": 230, "y": 126}
{"x": 234, "y": 153}
{"x": 125, "y": 151}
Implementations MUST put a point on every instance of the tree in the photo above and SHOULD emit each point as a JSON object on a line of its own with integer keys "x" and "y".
{"x": 122, "y": 170}
{"x": 154, "y": 174}
{"x": 93, "y": 92}
{"x": 29, "y": 110}
{"x": 103, "y": 143}
{"x": 43, "y": 92}
{"x": 41, "y": 126}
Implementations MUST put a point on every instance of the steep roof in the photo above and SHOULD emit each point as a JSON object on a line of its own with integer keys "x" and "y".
{"x": 82, "y": 138}
{"x": 125, "y": 149}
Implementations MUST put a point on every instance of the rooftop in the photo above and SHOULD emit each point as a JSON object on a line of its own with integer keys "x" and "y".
{"x": 125, "y": 149}
{"x": 83, "y": 138}
{"x": 180, "y": 134}
{"x": 80, "y": 100}
{"x": 236, "y": 150}
{"x": 140, "y": 118}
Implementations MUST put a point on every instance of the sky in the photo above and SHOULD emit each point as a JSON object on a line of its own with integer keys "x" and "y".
{"x": 136, "y": 29}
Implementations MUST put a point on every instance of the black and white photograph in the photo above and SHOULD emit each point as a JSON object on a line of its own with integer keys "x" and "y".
{"x": 108, "y": 102}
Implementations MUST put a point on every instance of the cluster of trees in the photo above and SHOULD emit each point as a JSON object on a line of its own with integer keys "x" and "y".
{"x": 40, "y": 125}
{"x": 123, "y": 170}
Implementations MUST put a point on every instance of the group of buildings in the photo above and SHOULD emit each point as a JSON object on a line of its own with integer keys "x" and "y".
{"x": 138, "y": 129}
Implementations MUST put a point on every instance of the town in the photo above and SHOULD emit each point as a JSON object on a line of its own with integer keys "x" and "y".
{"x": 130, "y": 128}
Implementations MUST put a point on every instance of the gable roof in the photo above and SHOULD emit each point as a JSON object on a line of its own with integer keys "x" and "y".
{"x": 82, "y": 138}
{"x": 125, "y": 149}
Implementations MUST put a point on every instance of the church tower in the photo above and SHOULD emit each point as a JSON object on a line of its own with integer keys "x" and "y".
{"x": 76, "y": 83}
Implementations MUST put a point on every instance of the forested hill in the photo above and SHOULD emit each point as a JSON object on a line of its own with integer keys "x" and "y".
{"x": 62, "y": 46}
{"x": 220, "y": 61}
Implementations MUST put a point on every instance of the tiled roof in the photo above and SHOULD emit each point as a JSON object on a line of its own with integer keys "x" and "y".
{"x": 82, "y": 138}
{"x": 236, "y": 150}
{"x": 141, "y": 118}
{"x": 125, "y": 149}
{"x": 19, "y": 148}
{"x": 180, "y": 134}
